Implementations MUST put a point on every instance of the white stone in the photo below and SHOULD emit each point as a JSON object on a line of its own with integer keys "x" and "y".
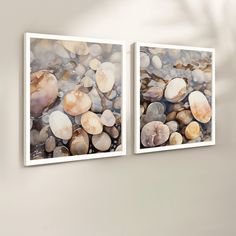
{"x": 176, "y": 90}
{"x": 156, "y": 62}
{"x": 60, "y": 125}
{"x": 144, "y": 60}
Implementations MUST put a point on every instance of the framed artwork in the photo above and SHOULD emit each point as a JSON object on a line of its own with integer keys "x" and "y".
{"x": 75, "y": 98}
{"x": 174, "y": 97}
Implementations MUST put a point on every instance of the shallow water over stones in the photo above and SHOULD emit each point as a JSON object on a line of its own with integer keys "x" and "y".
{"x": 176, "y": 90}
{"x": 75, "y": 94}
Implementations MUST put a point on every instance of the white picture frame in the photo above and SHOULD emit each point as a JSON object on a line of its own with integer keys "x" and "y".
{"x": 27, "y": 117}
{"x": 137, "y": 148}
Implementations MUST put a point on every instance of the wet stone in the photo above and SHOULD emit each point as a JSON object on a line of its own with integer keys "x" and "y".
{"x": 176, "y": 138}
{"x": 60, "y": 125}
{"x": 60, "y": 151}
{"x": 153, "y": 94}
{"x": 144, "y": 60}
{"x": 96, "y": 101}
{"x": 91, "y": 123}
{"x": 101, "y": 142}
{"x": 154, "y": 134}
{"x": 107, "y": 118}
{"x": 50, "y": 144}
{"x": 79, "y": 143}
{"x": 184, "y": 117}
{"x": 112, "y": 131}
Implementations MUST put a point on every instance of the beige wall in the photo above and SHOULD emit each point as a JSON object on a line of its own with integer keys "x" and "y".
{"x": 177, "y": 193}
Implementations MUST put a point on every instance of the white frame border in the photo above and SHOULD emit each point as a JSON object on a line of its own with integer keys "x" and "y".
{"x": 27, "y": 160}
{"x": 137, "y": 148}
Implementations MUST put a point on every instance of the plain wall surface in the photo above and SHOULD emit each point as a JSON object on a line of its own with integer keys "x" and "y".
{"x": 189, "y": 192}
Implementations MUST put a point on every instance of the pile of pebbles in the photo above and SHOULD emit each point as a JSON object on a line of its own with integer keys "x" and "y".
{"x": 75, "y": 98}
{"x": 175, "y": 96}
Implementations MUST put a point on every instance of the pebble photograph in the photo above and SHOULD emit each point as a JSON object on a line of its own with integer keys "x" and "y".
{"x": 75, "y": 98}
{"x": 176, "y": 97}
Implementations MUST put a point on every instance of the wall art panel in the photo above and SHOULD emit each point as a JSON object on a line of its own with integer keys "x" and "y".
{"x": 74, "y": 98}
{"x": 174, "y": 97}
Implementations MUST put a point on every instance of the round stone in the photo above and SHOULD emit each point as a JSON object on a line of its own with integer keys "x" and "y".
{"x": 91, "y": 123}
{"x": 107, "y": 118}
{"x": 175, "y": 139}
{"x": 60, "y": 125}
{"x": 154, "y": 133}
{"x": 101, "y": 142}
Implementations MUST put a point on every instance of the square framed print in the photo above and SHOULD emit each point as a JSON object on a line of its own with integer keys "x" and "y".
{"x": 174, "y": 97}
{"x": 75, "y": 98}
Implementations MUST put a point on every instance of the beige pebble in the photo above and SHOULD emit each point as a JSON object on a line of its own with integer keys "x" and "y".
{"x": 155, "y": 51}
{"x": 112, "y": 131}
{"x": 171, "y": 116}
{"x": 156, "y": 62}
{"x": 91, "y": 123}
{"x": 119, "y": 148}
{"x": 50, "y": 144}
{"x": 159, "y": 51}
{"x": 42, "y": 82}
{"x": 107, "y": 118}
{"x": 76, "y": 102}
{"x": 173, "y": 126}
{"x": 175, "y": 138}
{"x": 160, "y": 83}
{"x": 154, "y": 133}
{"x": 44, "y": 133}
{"x": 192, "y": 131}
{"x": 80, "y": 48}
{"x": 200, "y": 107}
{"x": 144, "y": 60}
{"x": 176, "y": 90}
{"x": 184, "y": 117}
{"x": 60, "y": 125}
{"x": 94, "y": 64}
{"x": 61, "y": 151}
{"x": 105, "y": 77}
{"x": 87, "y": 82}
{"x": 79, "y": 143}
{"x": 153, "y": 94}
{"x": 101, "y": 142}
